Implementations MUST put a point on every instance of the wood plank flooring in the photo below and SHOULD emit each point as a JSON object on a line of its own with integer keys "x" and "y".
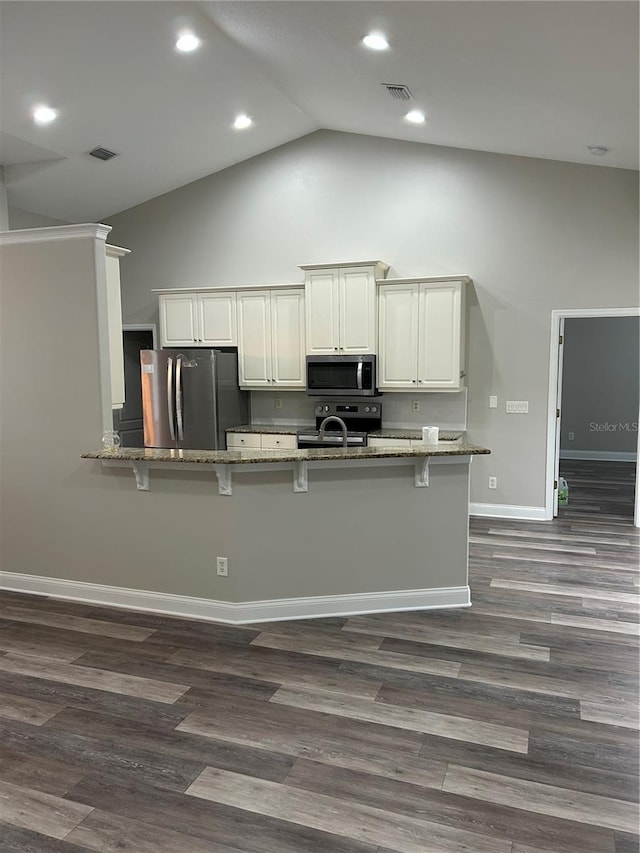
{"x": 509, "y": 727}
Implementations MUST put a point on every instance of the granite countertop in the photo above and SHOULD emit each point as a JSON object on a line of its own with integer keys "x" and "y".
{"x": 445, "y": 435}
{"x": 249, "y": 456}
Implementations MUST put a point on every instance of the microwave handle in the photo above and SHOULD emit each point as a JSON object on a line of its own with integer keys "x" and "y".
{"x": 359, "y": 376}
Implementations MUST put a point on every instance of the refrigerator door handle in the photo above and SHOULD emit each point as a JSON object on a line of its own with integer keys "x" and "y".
{"x": 172, "y": 431}
{"x": 179, "y": 419}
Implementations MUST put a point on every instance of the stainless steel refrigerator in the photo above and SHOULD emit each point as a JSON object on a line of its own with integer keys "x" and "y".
{"x": 190, "y": 397}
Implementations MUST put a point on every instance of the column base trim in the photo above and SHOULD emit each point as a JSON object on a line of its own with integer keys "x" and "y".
{"x": 524, "y": 513}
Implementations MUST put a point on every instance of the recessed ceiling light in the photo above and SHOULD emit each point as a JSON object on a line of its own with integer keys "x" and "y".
{"x": 187, "y": 42}
{"x": 242, "y": 121}
{"x": 375, "y": 41}
{"x": 598, "y": 150}
{"x": 44, "y": 115}
{"x": 416, "y": 117}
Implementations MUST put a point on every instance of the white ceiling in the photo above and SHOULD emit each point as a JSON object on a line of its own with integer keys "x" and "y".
{"x": 540, "y": 79}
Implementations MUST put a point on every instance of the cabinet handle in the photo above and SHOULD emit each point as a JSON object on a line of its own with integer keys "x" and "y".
{"x": 336, "y": 349}
{"x": 414, "y": 381}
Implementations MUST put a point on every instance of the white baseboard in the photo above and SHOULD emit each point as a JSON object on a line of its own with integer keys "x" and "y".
{"x": 524, "y": 513}
{"x": 241, "y": 613}
{"x": 599, "y": 455}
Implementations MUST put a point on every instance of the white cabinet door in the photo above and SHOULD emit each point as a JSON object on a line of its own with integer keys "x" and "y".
{"x": 217, "y": 319}
{"x": 358, "y": 310}
{"x": 254, "y": 339}
{"x": 322, "y": 311}
{"x": 441, "y": 337}
{"x": 287, "y": 338}
{"x": 178, "y": 319}
{"x": 398, "y": 336}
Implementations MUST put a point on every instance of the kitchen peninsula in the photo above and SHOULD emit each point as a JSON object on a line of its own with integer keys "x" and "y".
{"x": 328, "y": 531}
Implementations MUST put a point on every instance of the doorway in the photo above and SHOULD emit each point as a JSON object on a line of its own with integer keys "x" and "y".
{"x": 596, "y": 442}
{"x": 128, "y": 420}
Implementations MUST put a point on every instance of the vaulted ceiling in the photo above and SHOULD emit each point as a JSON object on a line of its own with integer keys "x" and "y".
{"x": 538, "y": 79}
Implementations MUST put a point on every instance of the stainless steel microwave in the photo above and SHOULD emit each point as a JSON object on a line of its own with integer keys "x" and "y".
{"x": 341, "y": 375}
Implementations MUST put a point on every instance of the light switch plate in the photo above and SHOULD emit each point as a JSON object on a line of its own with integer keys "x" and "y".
{"x": 493, "y": 402}
{"x": 517, "y": 407}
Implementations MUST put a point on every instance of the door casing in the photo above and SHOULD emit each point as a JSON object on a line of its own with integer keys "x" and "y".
{"x": 555, "y": 397}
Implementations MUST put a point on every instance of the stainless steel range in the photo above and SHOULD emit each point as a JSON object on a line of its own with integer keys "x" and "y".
{"x": 341, "y": 424}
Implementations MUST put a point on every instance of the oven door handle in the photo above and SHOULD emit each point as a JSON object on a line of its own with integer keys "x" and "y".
{"x": 359, "y": 375}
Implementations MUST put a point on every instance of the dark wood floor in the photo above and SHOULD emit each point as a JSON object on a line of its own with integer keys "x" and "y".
{"x": 510, "y": 727}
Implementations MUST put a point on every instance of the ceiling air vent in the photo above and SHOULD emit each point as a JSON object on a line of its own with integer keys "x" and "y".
{"x": 398, "y": 91}
{"x": 102, "y": 153}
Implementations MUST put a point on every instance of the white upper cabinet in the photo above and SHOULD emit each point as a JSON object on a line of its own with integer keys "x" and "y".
{"x": 341, "y": 307}
{"x": 198, "y": 319}
{"x": 271, "y": 338}
{"x": 421, "y": 332}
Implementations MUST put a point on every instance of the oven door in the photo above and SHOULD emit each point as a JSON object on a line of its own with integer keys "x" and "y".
{"x": 310, "y": 440}
{"x": 341, "y": 375}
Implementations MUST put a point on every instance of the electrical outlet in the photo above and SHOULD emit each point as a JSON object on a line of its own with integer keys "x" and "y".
{"x": 278, "y": 402}
{"x": 572, "y": 435}
{"x": 222, "y": 566}
{"x": 493, "y": 402}
{"x": 493, "y": 482}
{"x": 415, "y": 405}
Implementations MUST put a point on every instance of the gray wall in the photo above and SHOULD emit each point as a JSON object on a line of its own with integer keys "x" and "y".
{"x": 600, "y": 386}
{"x": 535, "y": 235}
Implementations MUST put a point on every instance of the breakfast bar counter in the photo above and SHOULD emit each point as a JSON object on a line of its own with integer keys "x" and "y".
{"x": 249, "y": 455}
{"x": 299, "y": 461}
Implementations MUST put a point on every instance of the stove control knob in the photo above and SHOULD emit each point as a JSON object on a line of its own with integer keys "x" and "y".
{"x": 326, "y": 408}
{"x": 318, "y": 410}
{"x": 374, "y": 408}
{"x": 367, "y": 409}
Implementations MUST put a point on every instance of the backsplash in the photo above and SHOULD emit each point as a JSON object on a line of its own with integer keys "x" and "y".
{"x": 447, "y": 411}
